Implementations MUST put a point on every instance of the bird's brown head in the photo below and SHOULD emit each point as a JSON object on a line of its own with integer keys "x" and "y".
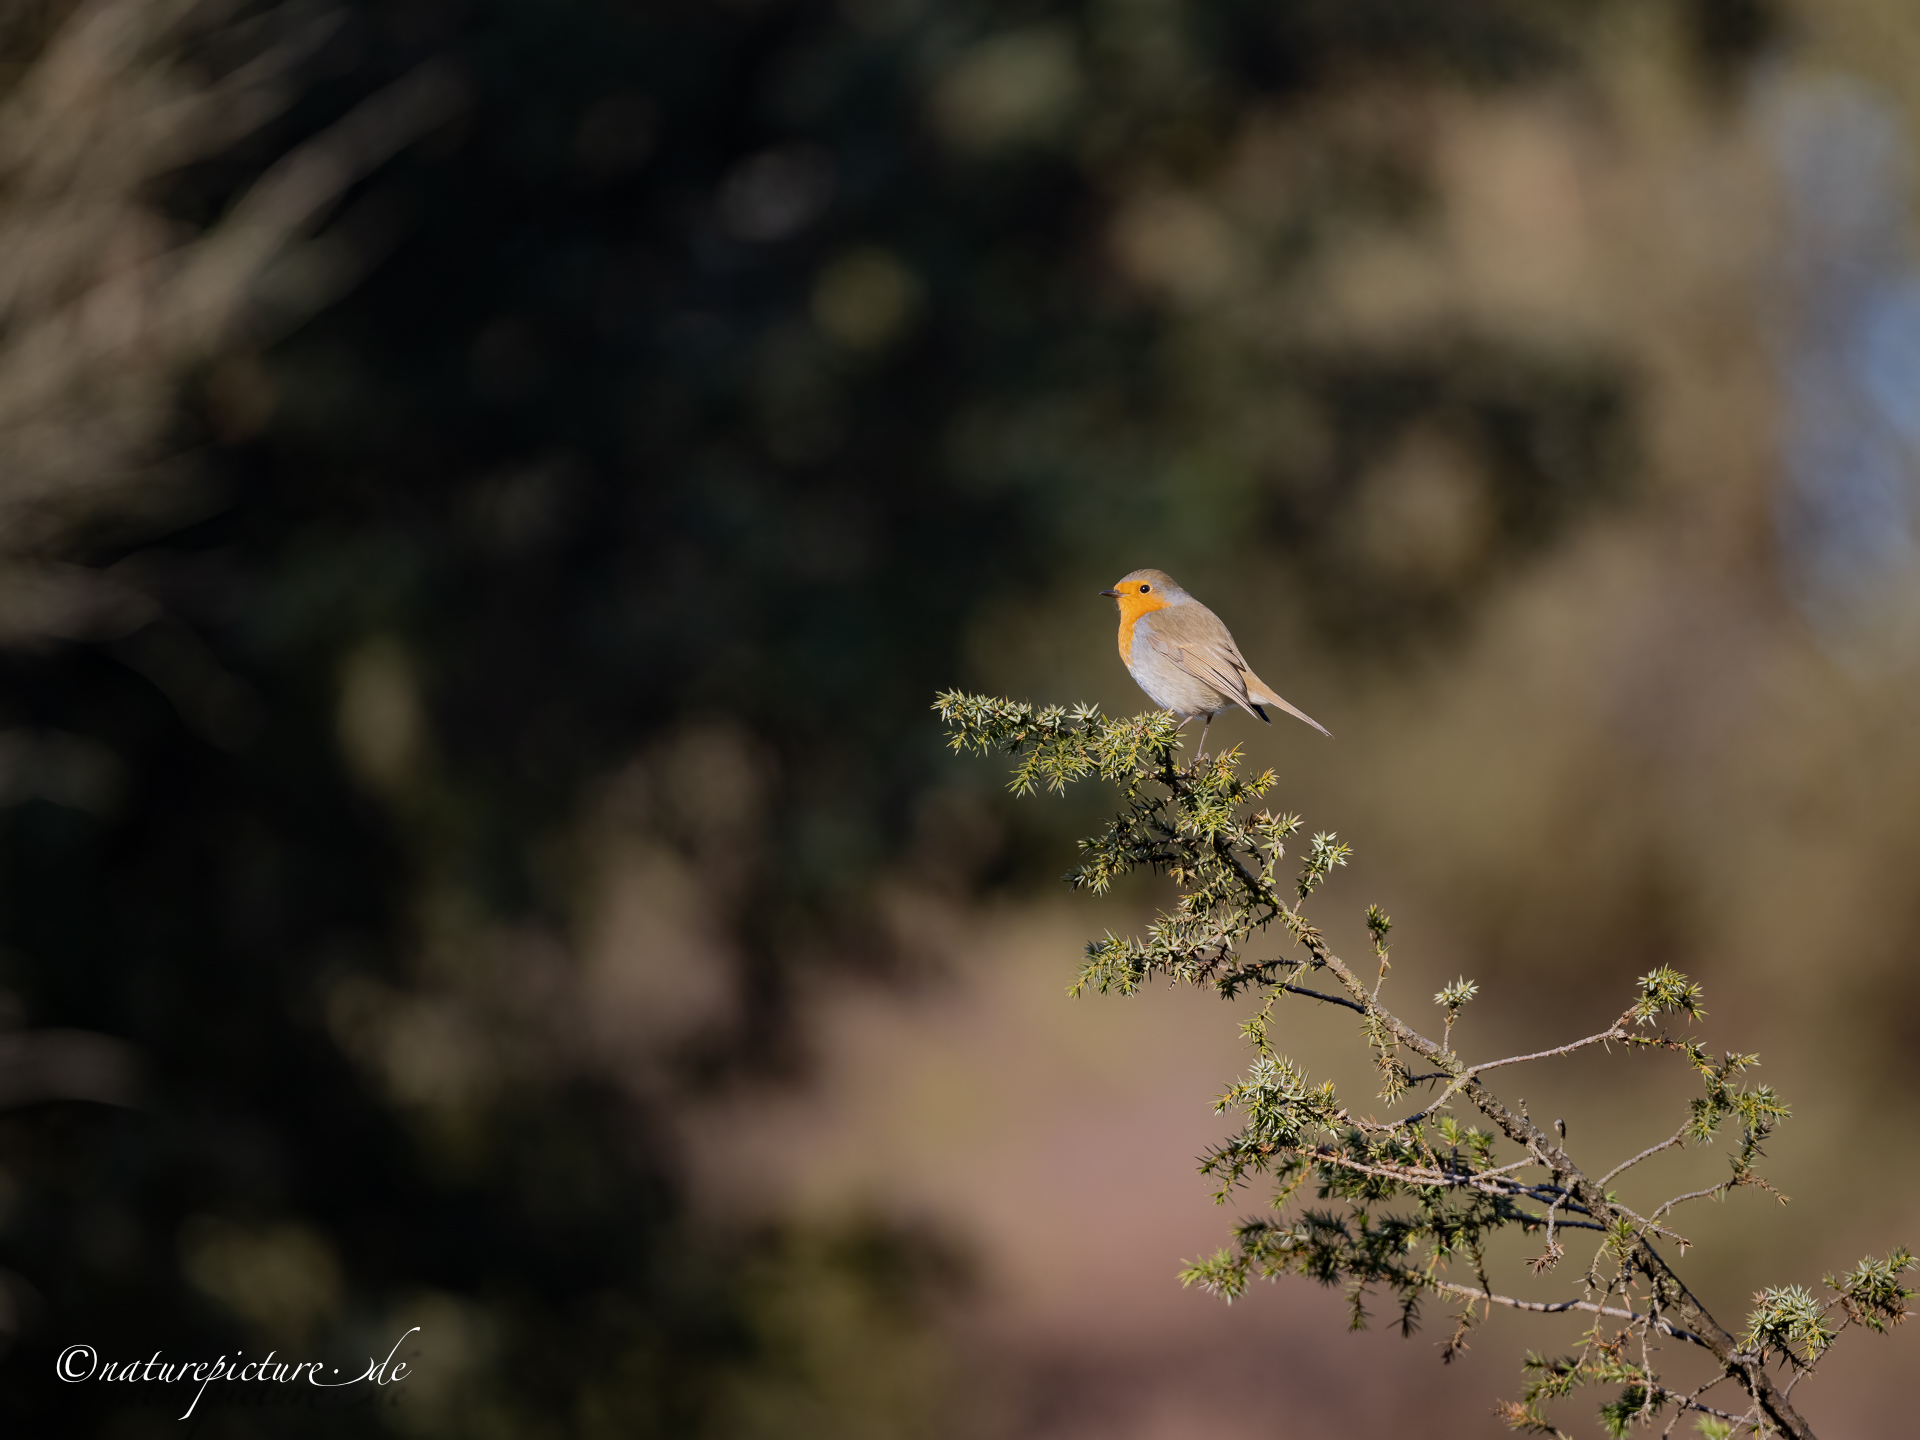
{"x": 1143, "y": 592}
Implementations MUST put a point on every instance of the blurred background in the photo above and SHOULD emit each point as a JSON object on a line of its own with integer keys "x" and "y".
{"x": 488, "y": 490}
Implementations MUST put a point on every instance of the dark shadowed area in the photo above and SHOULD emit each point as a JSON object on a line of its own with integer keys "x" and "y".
{"x": 490, "y": 488}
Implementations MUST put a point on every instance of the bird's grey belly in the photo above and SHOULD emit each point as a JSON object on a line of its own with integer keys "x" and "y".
{"x": 1170, "y": 687}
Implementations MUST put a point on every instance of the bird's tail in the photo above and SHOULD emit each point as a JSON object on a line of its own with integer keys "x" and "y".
{"x": 1262, "y": 692}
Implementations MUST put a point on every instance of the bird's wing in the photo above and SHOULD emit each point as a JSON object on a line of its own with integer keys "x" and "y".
{"x": 1193, "y": 638}
{"x": 1197, "y": 640}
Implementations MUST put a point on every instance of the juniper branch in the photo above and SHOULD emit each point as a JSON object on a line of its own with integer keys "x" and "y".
{"x": 1192, "y": 824}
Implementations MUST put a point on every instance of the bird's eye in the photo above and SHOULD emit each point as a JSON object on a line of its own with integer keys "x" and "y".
{"x": 1145, "y": 588}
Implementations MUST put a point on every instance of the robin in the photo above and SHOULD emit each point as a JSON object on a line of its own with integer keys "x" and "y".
{"x": 1178, "y": 651}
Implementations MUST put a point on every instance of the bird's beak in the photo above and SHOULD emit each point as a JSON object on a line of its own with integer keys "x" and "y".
{"x": 1111, "y": 594}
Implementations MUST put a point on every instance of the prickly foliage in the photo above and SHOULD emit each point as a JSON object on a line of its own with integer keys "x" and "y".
{"x": 1402, "y": 1208}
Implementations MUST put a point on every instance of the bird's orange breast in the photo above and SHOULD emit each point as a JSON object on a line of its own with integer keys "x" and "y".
{"x": 1132, "y": 607}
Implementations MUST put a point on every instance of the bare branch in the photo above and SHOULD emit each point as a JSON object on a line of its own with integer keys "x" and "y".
{"x": 1318, "y": 995}
{"x": 1615, "y": 1031}
{"x": 1690, "y": 1195}
{"x": 1678, "y": 1137}
{"x": 1561, "y": 1307}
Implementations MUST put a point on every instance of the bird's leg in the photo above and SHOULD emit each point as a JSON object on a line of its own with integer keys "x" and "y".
{"x": 1203, "y": 738}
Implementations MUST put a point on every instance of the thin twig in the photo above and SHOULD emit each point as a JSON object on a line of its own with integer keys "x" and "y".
{"x": 1614, "y": 1031}
{"x": 1510, "y": 1190}
{"x": 1691, "y": 1195}
{"x": 1691, "y": 1401}
{"x": 1317, "y": 995}
{"x": 1560, "y": 1307}
{"x": 1678, "y": 1137}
